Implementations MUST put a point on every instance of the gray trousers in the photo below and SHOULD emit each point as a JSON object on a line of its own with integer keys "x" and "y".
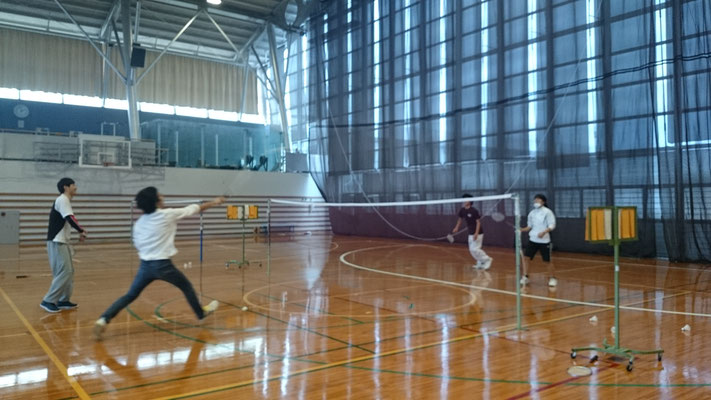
{"x": 60, "y": 259}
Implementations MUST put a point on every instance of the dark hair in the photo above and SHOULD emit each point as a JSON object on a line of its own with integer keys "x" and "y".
{"x": 543, "y": 199}
{"x": 147, "y": 199}
{"x": 467, "y": 195}
{"x": 64, "y": 182}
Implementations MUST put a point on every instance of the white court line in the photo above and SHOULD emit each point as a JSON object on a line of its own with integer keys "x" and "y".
{"x": 500, "y": 291}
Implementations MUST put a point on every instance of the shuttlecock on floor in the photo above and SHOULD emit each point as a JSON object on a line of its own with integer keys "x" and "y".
{"x": 593, "y": 319}
{"x": 613, "y": 331}
{"x": 686, "y": 328}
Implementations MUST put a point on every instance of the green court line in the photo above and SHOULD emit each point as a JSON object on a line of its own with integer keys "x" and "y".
{"x": 245, "y": 384}
{"x": 182, "y": 336}
{"x": 296, "y": 358}
{"x": 305, "y": 329}
{"x": 311, "y": 308}
{"x": 376, "y": 356}
{"x": 299, "y": 358}
{"x": 489, "y": 380}
{"x": 182, "y": 378}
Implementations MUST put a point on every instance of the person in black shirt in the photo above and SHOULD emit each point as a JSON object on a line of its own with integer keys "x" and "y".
{"x": 472, "y": 217}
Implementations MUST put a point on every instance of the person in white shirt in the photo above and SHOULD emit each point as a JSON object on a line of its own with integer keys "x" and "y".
{"x": 61, "y": 222}
{"x": 153, "y": 237}
{"x": 541, "y": 222}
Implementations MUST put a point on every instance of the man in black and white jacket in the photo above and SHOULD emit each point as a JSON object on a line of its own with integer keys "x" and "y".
{"x": 61, "y": 222}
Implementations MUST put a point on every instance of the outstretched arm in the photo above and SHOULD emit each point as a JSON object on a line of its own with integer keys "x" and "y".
{"x": 215, "y": 202}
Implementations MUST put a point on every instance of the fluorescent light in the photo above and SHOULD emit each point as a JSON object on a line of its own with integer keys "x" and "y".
{"x": 9, "y": 93}
{"x": 37, "y": 95}
{"x": 214, "y": 2}
{"x": 191, "y": 112}
{"x": 157, "y": 108}
{"x": 223, "y": 115}
{"x": 87, "y": 101}
{"x": 116, "y": 104}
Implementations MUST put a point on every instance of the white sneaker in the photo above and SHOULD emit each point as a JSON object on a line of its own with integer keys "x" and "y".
{"x": 524, "y": 280}
{"x": 210, "y": 308}
{"x": 99, "y": 328}
{"x": 553, "y": 282}
{"x": 487, "y": 264}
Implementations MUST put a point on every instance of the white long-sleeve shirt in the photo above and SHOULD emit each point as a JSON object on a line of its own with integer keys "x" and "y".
{"x": 154, "y": 233}
{"x": 540, "y": 219}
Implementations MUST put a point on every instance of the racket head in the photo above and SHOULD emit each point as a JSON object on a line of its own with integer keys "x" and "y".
{"x": 497, "y": 216}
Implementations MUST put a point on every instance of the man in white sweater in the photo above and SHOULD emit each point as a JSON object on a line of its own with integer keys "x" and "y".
{"x": 541, "y": 222}
{"x": 153, "y": 237}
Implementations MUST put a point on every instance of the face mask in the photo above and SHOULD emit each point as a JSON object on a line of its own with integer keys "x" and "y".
{"x": 537, "y": 205}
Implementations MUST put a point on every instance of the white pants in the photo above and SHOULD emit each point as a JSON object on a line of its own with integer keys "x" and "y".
{"x": 475, "y": 248}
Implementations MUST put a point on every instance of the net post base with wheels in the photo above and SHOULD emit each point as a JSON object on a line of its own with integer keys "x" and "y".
{"x": 243, "y": 262}
{"x": 614, "y": 350}
{"x": 613, "y": 225}
{"x": 242, "y": 213}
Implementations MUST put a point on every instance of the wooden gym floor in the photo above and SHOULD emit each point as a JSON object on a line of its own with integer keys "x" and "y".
{"x": 343, "y": 318}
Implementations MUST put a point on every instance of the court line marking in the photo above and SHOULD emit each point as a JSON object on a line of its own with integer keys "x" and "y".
{"x": 57, "y": 363}
{"x": 322, "y": 367}
{"x": 561, "y": 271}
{"x": 501, "y": 291}
{"x": 301, "y": 357}
{"x": 246, "y": 300}
{"x": 493, "y": 332}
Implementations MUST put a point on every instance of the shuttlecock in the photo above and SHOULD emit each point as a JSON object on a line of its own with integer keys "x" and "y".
{"x": 185, "y": 265}
{"x": 244, "y": 308}
{"x": 190, "y": 264}
{"x": 686, "y": 328}
{"x": 613, "y": 331}
{"x": 593, "y": 319}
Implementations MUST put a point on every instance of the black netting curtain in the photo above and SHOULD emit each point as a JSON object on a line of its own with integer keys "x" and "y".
{"x": 590, "y": 102}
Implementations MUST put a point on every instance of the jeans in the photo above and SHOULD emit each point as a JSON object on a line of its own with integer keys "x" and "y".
{"x": 148, "y": 272}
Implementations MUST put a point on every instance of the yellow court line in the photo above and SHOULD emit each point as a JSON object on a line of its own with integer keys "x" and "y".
{"x": 73, "y": 382}
{"x": 391, "y": 352}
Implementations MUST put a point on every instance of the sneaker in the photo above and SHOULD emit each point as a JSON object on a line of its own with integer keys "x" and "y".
{"x": 66, "y": 305}
{"x": 477, "y": 265}
{"x": 99, "y": 328}
{"x": 487, "y": 264}
{"x": 210, "y": 308}
{"x": 49, "y": 307}
{"x": 524, "y": 280}
{"x": 553, "y": 282}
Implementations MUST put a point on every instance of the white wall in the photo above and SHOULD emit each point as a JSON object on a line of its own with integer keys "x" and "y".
{"x": 31, "y": 177}
{"x": 104, "y": 196}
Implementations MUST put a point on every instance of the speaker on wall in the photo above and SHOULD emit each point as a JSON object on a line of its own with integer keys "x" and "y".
{"x": 138, "y": 57}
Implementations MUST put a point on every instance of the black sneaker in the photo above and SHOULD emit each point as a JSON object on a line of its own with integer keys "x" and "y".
{"x": 66, "y": 305}
{"x": 49, "y": 307}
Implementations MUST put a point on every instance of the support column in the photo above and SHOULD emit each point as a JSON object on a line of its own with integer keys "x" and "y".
{"x": 278, "y": 85}
{"x": 134, "y": 123}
